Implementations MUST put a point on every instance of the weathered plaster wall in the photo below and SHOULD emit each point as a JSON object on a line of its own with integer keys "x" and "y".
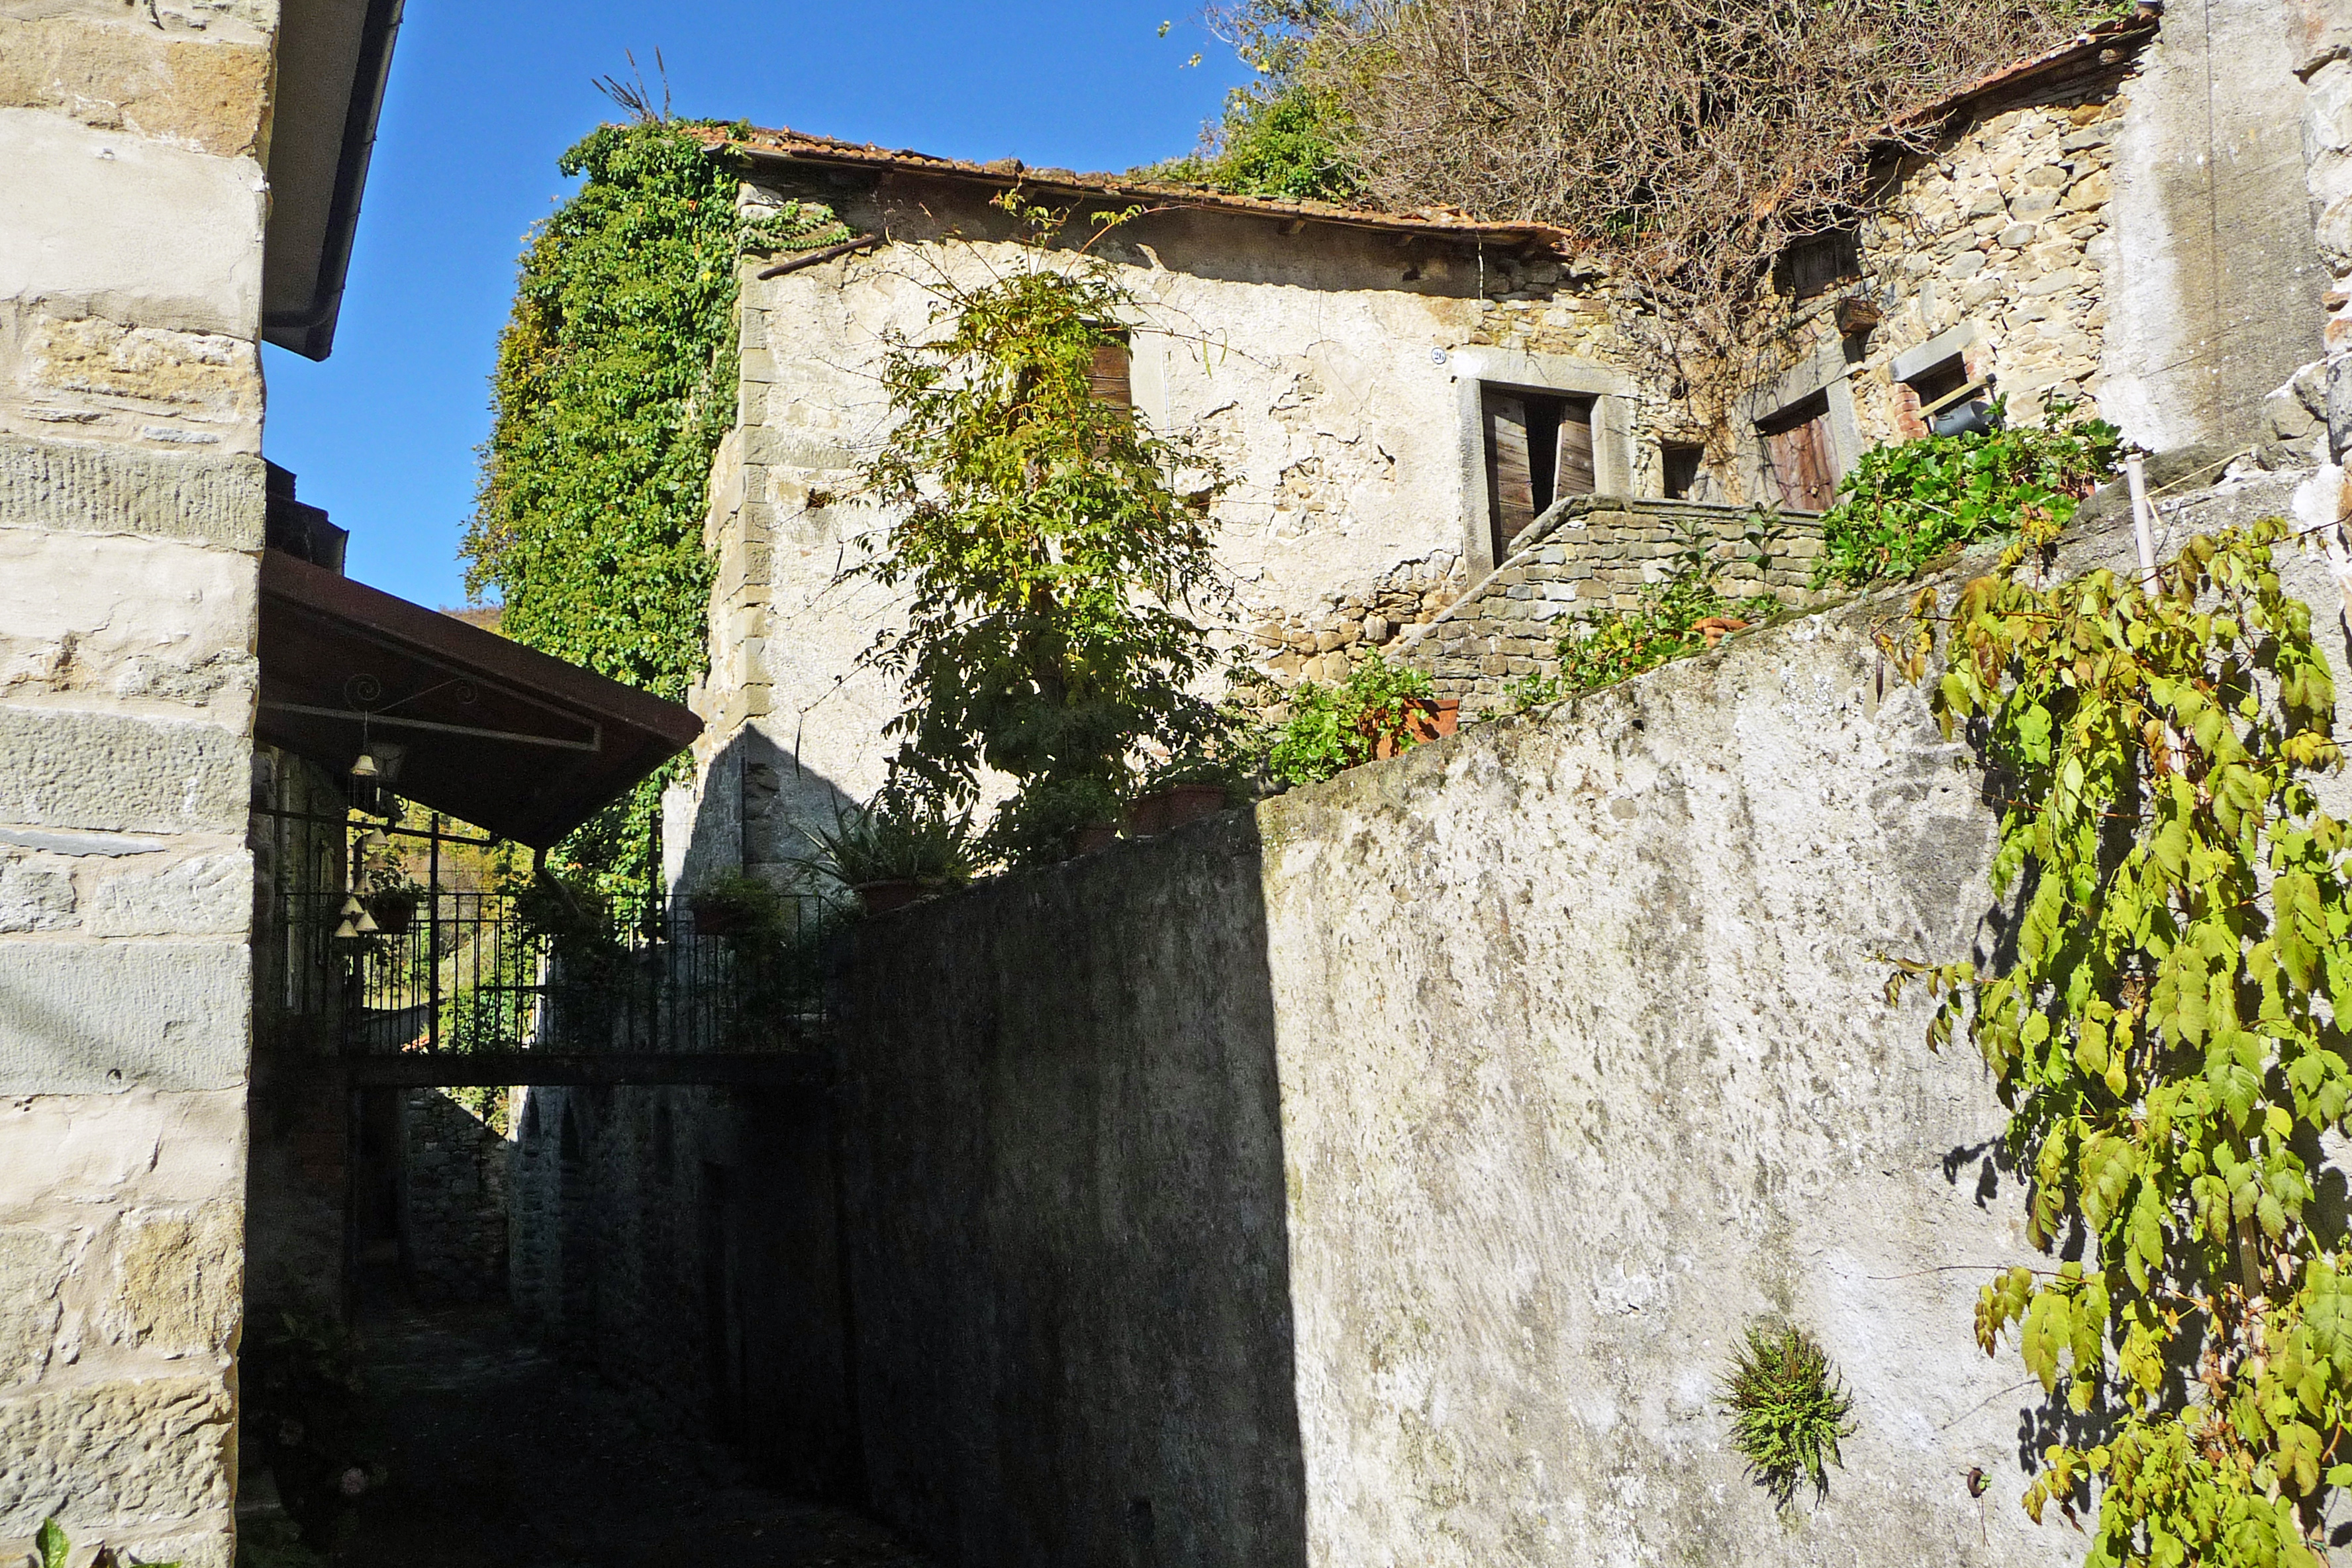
{"x": 1335, "y": 375}
{"x": 131, "y": 508}
{"x": 1474, "y": 1102}
{"x": 1309, "y": 373}
{"x": 2213, "y": 278}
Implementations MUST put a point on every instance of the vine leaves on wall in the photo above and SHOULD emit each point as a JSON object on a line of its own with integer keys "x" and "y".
{"x": 2165, "y": 1036}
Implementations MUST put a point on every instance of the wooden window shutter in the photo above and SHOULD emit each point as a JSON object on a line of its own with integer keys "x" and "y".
{"x": 1572, "y": 473}
{"x": 1510, "y": 486}
{"x": 1112, "y": 375}
{"x": 1803, "y": 465}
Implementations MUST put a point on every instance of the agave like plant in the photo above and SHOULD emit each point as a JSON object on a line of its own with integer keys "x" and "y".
{"x": 894, "y": 842}
{"x": 1787, "y": 1410}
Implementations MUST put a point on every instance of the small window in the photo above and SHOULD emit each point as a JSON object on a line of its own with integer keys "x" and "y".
{"x": 1680, "y": 462}
{"x": 1112, "y": 374}
{"x": 1800, "y": 463}
{"x": 1819, "y": 263}
{"x": 1939, "y": 381}
{"x": 1539, "y": 451}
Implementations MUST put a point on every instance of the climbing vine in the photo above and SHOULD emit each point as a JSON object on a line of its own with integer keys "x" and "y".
{"x": 616, "y": 383}
{"x": 2165, "y": 1030}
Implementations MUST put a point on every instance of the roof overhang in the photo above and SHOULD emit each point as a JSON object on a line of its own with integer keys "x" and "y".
{"x": 332, "y": 58}
{"x": 492, "y": 733}
{"x": 793, "y": 148}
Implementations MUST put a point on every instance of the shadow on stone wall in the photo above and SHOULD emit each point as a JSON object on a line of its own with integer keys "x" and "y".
{"x": 1063, "y": 1187}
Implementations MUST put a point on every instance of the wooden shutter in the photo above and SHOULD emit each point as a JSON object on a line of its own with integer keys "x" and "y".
{"x": 1803, "y": 465}
{"x": 1510, "y": 489}
{"x": 1110, "y": 377}
{"x": 1573, "y": 471}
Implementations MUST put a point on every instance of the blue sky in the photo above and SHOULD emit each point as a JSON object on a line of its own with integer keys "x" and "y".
{"x": 483, "y": 98}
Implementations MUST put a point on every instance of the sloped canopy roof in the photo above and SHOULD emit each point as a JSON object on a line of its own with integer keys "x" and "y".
{"x": 492, "y": 733}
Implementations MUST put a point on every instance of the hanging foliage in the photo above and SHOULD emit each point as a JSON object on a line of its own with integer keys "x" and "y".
{"x": 2166, "y": 1037}
{"x": 616, "y": 383}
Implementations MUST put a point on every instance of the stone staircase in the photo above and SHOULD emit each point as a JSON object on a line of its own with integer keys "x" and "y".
{"x": 1591, "y": 553}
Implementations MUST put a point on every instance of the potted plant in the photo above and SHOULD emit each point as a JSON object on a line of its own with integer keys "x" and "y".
{"x": 1186, "y": 788}
{"x": 392, "y": 905}
{"x": 892, "y": 853}
{"x": 731, "y": 906}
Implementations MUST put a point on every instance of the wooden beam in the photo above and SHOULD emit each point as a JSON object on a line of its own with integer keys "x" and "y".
{"x": 453, "y": 1069}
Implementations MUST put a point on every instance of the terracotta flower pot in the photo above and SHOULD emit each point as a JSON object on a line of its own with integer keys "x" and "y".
{"x": 1425, "y": 720}
{"x": 1172, "y": 808}
{"x": 715, "y": 917}
{"x": 880, "y": 898}
{"x": 1146, "y": 815}
{"x": 1191, "y": 802}
{"x": 1096, "y": 835}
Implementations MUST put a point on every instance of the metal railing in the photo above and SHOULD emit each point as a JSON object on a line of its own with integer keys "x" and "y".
{"x": 465, "y": 971}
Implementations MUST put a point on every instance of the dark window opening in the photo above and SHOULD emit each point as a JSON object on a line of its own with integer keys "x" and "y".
{"x": 1538, "y": 450}
{"x": 1819, "y": 263}
{"x": 1939, "y": 381}
{"x": 1801, "y": 462}
{"x": 1681, "y": 463}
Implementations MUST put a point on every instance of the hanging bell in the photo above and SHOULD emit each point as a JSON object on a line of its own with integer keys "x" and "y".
{"x": 346, "y": 931}
{"x": 367, "y": 926}
{"x": 352, "y": 906}
{"x": 375, "y": 843}
{"x": 365, "y": 767}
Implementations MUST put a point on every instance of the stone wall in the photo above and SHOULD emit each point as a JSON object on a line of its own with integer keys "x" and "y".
{"x": 454, "y": 1179}
{"x": 1388, "y": 1175}
{"x": 683, "y": 1242}
{"x": 1592, "y": 554}
{"x": 131, "y": 508}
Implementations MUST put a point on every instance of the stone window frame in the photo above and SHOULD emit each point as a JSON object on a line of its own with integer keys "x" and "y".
{"x": 1956, "y": 345}
{"x": 1827, "y": 375}
{"x": 1560, "y": 375}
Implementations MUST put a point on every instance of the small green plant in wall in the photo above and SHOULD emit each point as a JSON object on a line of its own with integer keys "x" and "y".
{"x": 54, "y": 1549}
{"x": 2167, "y": 1031}
{"x": 1789, "y": 1410}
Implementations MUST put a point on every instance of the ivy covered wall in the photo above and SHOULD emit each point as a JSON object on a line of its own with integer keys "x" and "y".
{"x": 616, "y": 381}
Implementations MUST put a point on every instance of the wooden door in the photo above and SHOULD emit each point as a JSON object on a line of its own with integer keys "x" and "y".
{"x": 1572, "y": 472}
{"x": 1803, "y": 465}
{"x": 1510, "y": 484}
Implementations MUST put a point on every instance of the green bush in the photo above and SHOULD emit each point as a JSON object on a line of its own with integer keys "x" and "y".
{"x": 1050, "y": 568}
{"x": 1333, "y": 728}
{"x": 1905, "y": 504}
{"x": 1283, "y": 142}
{"x": 1787, "y": 1410}
{"x": 891, "y": 841}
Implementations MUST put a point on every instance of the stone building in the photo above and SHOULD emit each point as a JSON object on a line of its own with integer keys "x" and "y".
{"x": 182, "y": 182}
{"x": 1397, "y": 397}
{"x": 187, "y": 682}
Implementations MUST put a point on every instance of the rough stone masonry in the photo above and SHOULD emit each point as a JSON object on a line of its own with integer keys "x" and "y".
{"x": 132, "y": 220}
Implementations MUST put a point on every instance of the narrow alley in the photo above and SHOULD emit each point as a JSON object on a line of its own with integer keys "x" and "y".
{"x": 483, "y": 1450}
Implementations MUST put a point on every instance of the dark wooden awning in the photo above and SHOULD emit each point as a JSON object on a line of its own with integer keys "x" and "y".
{"x": 492, "y": 733}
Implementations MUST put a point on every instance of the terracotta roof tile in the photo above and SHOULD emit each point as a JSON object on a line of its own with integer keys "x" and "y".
{"x": 801, "y": 148}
